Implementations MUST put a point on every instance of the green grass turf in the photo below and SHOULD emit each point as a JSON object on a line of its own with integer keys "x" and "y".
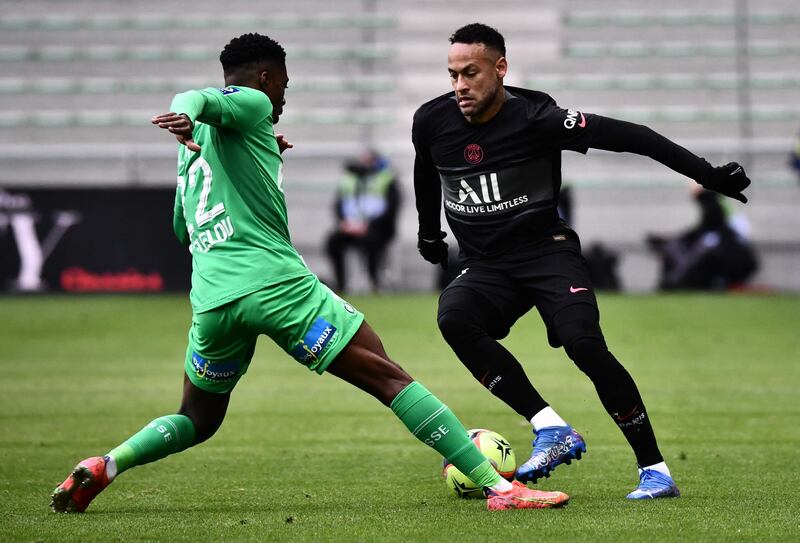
{"x": 303, "y": 457}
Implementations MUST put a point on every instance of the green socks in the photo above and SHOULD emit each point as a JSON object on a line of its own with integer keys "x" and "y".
{"x": 162, "y": 437}
{"x": 424, "y": 415}
{"x": 434, "y": 424}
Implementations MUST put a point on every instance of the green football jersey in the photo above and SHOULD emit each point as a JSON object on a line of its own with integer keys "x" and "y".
{"x": 229, "y": 205}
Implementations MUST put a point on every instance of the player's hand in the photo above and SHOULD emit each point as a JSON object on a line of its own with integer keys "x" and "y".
{"x": 179, "y": 125}
{"x": 729, "y": 180}
{"x": 282, "y": 143}
{"x": 433, "y": 250}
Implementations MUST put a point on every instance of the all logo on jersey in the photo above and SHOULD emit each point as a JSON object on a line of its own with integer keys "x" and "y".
{"x": 572, "y": 119}
{"x": 228, "y": 90}
{"x": 473, "y": 153}
{"x": 490, "y": 191}
{"x": 480, "y": 195}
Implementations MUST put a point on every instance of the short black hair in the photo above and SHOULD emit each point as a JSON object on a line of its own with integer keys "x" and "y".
{"x": 480, "y": 33}
{"x": 249, "y": 49}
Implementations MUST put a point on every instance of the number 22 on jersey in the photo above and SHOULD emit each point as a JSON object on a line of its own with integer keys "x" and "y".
{"x": 201, "y": 215}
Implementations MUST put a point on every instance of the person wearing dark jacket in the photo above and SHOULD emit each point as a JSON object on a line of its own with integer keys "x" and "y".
{"x": 711, "y": 255}
{"x": 367, "y": 201}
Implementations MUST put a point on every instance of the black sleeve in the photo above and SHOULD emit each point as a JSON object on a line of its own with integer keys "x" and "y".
{"x": 624, "y": 137}
{"x": 427, "y": 187}
{"x": 572, "y": 130}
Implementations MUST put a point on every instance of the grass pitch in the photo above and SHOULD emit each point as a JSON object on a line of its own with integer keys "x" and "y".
{"x": 303, "y": 457}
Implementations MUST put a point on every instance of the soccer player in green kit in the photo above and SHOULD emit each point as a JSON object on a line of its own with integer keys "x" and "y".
{"x": 248, "y": 280}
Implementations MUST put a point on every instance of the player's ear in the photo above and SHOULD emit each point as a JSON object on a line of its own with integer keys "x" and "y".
{"x": 263, "y": 79}
{"x": 501, "y": 67}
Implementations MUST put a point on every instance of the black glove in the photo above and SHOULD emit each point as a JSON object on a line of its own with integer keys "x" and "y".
{"x": 729, "y": 180}
{"x": 433, "y": 249}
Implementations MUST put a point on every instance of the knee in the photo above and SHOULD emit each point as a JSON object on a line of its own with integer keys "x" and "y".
{"x": 205, "y": 424}
{"x": 587, "y": 352}
{"x": 203, "y": 428}
{"x": 456, "y": 325}
{"x": 584, "y": 343}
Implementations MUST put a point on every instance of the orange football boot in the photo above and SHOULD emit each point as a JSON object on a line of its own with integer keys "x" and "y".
{"x": 85, "y": 482}
{"x": 522, "y": 497}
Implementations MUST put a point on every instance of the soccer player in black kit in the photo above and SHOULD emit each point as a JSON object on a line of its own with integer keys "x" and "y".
{"x": 494, "y": 152}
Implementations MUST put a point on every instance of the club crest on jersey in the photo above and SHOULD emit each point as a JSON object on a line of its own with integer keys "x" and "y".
{"x": 473, "y": 153}
{"x": 228, "y": 90}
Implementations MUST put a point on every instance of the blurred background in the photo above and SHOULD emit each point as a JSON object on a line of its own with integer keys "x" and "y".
{"x": 86, "y": 183}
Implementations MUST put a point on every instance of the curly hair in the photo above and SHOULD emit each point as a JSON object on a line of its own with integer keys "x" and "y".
{"x": 480, "y": 33}
{"x": 250, "y": 48}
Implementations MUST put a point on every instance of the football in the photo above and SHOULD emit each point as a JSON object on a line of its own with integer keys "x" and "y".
{"x": 499, "y": 452}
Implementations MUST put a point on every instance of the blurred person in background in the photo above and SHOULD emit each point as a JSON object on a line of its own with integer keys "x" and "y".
{"x": 716, "y": 253}
{"x": 794, "y": 156}
{"x": 366, "y": 206}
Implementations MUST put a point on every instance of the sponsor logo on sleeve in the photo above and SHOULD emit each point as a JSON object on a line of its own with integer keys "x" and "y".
{"x": 309, "y": 349}
{"x": 228, "y": 90}
{"x": 572, "y": 119}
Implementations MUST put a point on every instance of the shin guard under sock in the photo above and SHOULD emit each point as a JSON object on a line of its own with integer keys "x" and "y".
{"x": 162, "y": 437}
{"x": 434, "y": 424}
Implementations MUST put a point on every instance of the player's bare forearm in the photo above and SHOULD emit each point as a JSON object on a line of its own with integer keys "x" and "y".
{"x": 180, "y": 126}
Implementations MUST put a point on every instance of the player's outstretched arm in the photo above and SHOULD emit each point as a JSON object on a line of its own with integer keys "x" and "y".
{"x": 622, "y": 136}
{"x": 179, "y": 125}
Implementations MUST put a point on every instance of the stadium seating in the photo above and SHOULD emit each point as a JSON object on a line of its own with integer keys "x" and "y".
{"x": 79, "y": 79}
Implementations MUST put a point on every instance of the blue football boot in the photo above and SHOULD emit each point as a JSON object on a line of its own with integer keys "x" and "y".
{"x": 654, "y": 484}
{"x": 553, "y": 445}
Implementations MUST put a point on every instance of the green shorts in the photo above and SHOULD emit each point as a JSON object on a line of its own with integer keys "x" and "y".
{"x": 303, "y": 316}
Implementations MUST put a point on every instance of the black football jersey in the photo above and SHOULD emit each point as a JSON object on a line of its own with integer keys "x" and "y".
{"x": 500, "y": 180}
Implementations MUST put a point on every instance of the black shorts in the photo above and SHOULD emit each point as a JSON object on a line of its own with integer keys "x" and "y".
{"x": 550, "y": 275}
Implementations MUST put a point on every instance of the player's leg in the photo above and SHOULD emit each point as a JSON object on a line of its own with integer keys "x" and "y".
{"x": 200, "y": 415}
{"x": 208, "y": 381}
{"x": 364, "y": 364}
{"x": 566, "y": 301}
{"x": 578, "y": 329}
{"x": 475, "y": 310}
{"x": 325, "y": 333}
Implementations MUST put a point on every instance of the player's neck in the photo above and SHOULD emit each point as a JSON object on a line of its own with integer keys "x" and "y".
{"x": 238, "y": 82}
{"x": 242, "y": 78}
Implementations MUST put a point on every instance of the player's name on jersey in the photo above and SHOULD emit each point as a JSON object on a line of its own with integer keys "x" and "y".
{"x": 204, "y": 240}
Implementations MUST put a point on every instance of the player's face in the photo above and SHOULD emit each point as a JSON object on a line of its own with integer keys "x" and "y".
{"x": 476, "y": 74}
{"x": 276, "y": 82}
